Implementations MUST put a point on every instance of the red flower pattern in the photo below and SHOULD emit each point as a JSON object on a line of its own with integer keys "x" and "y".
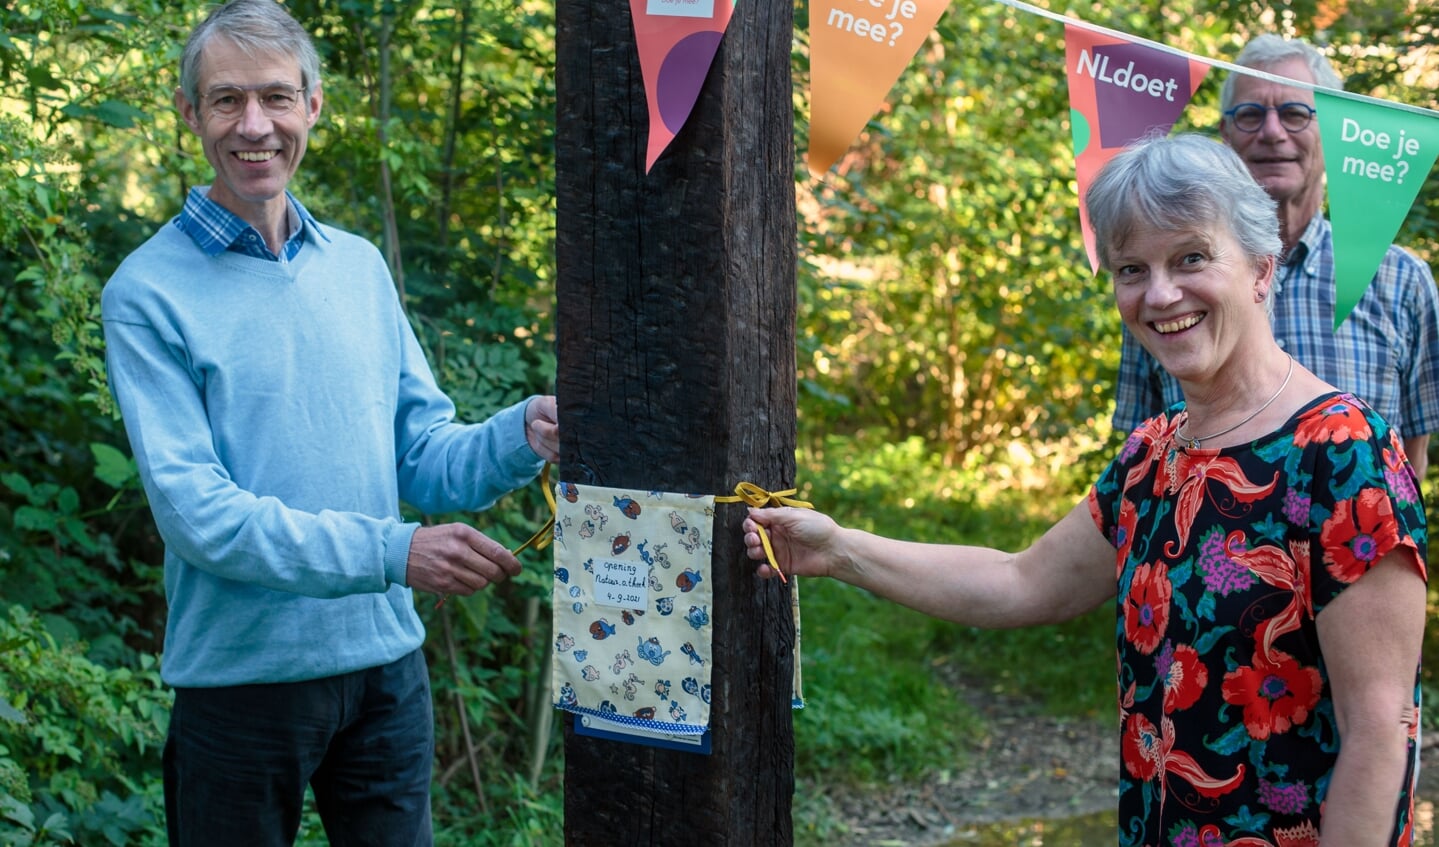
{"x": 1146, "y": 608}
{"x": 1184, "y": 680}
{"x": 1196, "y": 665}
{"x": 1304, "y": 835}
{"x": 1149, "y": 756}
{"x": 1149, "y": 440}
{"x": 1140, "y": 749}
{"x": 1394, "y": 457}
{"x": 1124, "y": 532}
{"x": 1360, "y": 531}
{"x": 1275, "y": 694}
{"x": 1288, "y": 571}
{"x": 1336, "y": 423}
{"x": 1194, "y": 474}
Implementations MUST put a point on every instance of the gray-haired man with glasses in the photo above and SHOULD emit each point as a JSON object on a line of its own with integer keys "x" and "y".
{"x": 1387, "y": 350}
{"x": 280, "y": 409}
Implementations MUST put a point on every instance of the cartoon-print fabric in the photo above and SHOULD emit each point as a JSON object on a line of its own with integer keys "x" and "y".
{"x": 632, "y": 603}
{"x": 1224, "y": 559}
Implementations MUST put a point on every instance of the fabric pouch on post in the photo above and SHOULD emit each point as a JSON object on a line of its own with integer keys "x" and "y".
{"x": 632, "y": 599}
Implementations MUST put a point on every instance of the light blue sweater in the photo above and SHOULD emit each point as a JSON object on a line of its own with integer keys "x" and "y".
{"x": 279, "y": 413}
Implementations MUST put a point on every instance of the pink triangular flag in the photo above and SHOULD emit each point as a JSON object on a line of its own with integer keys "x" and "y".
{"x": 677, "y": 42}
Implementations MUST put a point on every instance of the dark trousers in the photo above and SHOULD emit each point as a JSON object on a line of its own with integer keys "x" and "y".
{"x": 237, "y": 760}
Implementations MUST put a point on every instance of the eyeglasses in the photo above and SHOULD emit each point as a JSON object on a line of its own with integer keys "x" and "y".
{"x": 1249, "y": 117}
{"x": 276, "y": 101}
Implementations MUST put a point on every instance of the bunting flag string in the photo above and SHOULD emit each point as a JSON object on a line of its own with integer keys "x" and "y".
{"x": 1377, "y": 152}
{"x": 1122, "y": 87}
{"x": 1218, "y": 63}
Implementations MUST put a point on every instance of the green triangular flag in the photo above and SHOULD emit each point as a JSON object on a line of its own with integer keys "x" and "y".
{"x": 1376, "y": 157}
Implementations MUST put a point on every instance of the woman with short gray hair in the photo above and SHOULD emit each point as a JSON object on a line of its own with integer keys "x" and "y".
{"x": 1262, "y": 543}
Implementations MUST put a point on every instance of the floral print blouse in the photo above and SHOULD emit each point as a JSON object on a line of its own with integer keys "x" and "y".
{"x": 1224, "y": 559}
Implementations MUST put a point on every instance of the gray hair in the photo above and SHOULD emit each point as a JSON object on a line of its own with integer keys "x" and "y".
{"x": 1180, "y": 184}
{"x": 1268, "y": 50}
{"x": 258, "y": 28}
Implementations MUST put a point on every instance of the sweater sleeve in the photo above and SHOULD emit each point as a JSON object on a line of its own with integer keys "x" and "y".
{"x": 444, "y": 465}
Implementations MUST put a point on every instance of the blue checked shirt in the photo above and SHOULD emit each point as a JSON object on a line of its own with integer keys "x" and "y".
{"x": 1386, "y": 351}
{"x": 215, "y": 229}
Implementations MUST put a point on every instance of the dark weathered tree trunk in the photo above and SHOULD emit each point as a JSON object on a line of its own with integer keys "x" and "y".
{"x": 676, "y": 373}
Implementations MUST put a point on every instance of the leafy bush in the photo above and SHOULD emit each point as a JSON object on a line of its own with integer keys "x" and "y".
{"x": 79, "y": 742}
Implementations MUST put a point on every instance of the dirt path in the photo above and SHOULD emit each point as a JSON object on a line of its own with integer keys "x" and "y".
{"x": 1027, "y": 767}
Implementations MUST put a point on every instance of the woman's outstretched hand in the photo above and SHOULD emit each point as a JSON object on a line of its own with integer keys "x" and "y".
{"x": 803, "y": 540}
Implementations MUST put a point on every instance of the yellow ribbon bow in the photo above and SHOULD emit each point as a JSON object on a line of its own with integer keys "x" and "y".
{"x": 752, "y": 495}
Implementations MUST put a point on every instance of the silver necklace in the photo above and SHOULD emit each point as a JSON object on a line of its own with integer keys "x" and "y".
{"x": 1193, "y": 443}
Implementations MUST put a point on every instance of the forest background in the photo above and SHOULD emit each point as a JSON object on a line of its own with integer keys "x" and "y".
{"x": 956, "y": 362}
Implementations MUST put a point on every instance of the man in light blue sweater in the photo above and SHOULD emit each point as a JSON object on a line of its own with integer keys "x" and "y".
{"x": 280, "y": 409}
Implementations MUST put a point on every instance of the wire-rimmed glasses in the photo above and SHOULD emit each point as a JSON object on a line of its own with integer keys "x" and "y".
{"x": 276, "y": 100}
{"x": 1249, "y": 117}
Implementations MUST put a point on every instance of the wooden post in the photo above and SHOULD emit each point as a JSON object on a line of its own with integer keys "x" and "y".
{"x": 676, "y": 349}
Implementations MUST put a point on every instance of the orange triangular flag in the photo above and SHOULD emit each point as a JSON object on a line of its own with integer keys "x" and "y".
{"x": 857, "y": 50}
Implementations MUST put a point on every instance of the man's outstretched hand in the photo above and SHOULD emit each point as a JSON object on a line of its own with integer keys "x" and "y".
{"x": 456, "y": 558}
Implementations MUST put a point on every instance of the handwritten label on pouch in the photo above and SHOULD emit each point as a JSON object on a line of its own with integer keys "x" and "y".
{"x": 623, "y": 585}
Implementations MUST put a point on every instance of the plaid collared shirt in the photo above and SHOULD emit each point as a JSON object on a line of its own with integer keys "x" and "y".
{"x": 215, "y": 229}
{"x": 1386, "y": 351}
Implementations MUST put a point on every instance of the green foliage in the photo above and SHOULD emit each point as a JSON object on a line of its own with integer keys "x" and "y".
{"x": 944, "y": 289}
{"x": 523, "y": 816}
{"x": 58, "y": 70}
{"x": 67, "y": 72}
{"x": 79, "y": 742}
{"x": 877, "y": 676}
{"x": 54, "y": 543}
{"x": 960, "y": 312}
{"x": 946, "y": 307}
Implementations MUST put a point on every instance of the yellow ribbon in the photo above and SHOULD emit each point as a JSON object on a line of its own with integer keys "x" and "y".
{"x": 744, "y": 492}
{"x": 753, "y": 495}
{"x": 543, "y": 537}
{"x": 545, "y": 534}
